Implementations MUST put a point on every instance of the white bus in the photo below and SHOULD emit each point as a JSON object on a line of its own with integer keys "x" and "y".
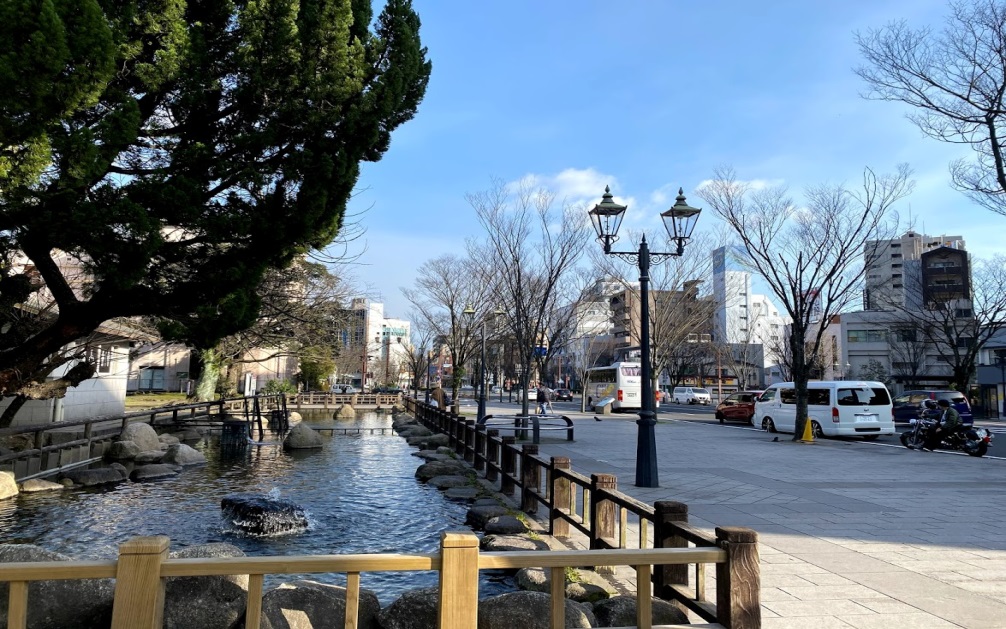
{"x": 622, "y": 382}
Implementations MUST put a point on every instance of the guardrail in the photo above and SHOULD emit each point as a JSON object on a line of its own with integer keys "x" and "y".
{"x": 594, "y": 506}
{"x": 325, "y": 399}
{"x": 143, "y": 565}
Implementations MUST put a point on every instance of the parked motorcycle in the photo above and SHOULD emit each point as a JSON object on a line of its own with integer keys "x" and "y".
{"x": 975, "y": 441}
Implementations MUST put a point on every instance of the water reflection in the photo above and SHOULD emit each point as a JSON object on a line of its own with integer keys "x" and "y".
{"x": 359, "y": 491}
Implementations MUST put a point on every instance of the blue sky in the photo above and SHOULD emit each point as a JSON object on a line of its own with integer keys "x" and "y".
{"x": 645, "y": 96}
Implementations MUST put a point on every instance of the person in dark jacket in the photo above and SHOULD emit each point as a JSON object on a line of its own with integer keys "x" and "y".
{"x": 950, "y": 422}
{"x": 542, "y": 397}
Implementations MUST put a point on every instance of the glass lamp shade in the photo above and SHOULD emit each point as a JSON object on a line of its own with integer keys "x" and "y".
{"x": 607, "y": 217}
{"x": 680, "y": 220}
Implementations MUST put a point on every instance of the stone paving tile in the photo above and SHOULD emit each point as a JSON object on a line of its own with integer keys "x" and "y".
{"x": 887, "y": 605}
{"x": 774, "y": 595}
{"x": 917, "y": 620}
{"x": 831, "y": 592}
{"x": 815, "y": 622}
{"x": 783, "y": 579}
{"x": 840, "y": 608}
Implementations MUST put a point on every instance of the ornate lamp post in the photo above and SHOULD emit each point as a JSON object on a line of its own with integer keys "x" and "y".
{"x": 469, "y": 312}
{"x": 679, "y": 221}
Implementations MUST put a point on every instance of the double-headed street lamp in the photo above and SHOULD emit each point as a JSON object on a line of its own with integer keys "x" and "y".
{"x": 679, "y": 221}
{"x": 469, "y": 312}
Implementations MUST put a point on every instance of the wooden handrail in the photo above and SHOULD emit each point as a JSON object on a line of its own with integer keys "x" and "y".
{"x": 143, "y": 565}
{"x": 603, "y": 517}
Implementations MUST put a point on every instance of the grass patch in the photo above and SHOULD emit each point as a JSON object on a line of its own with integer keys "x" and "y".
{"x": 144, "y": 401}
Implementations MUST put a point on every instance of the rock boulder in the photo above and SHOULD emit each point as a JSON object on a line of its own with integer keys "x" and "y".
{"x": 8, "y": 488}
{"x": 142, "y": 435}
{"x": 37, "y": 484}
{"x": 505, "y": 525}
{"x": 432, "y": 469}
{"x": 529, "y": 610}
{"x": 415, "y": 609}
{"x": 97, "y": 476}
{"x": 153, "y": 471}
{"x": 620, "y": 611}
{"x": 62, "y": 604}
{"x": 479, "y": 516}
{"x": 123, "y": 450}
{"x": 313, "y": 605}
{"x": 181, "y": 454}
{"x": 345, "y": 411}
{"x": 216, "y": 602}
{"x": 301, "y": 437}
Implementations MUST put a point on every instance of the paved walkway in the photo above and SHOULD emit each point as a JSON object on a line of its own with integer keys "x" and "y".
{"x": 851, "y": 534}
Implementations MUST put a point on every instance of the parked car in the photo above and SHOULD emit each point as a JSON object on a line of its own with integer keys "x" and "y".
{"x": 738, "y": 406}
{"x": 691, "y": 395}
{"x": 344, "y": 388}
{"x": 835, "y": 408}
{"x": 909, "y": 404}
{"x": 563, "y": 394}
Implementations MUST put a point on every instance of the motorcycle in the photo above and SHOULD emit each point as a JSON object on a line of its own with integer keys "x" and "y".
{"x": 974, "y": 441}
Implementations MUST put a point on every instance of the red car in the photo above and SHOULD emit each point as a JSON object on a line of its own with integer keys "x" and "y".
{"x": 738, "y": 407}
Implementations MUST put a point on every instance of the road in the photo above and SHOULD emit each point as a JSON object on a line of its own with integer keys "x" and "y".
{"x": 705, "y": 415}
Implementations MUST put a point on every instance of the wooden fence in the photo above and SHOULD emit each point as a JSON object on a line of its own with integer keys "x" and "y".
{"x": 327, "y": 400}
{"x": 60, "y": 446}
{"x": 594, "y": 506}
{"x": 143, "y": 565}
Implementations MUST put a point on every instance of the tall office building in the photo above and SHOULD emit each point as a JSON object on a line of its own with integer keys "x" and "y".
{"x": 894, "y": 273}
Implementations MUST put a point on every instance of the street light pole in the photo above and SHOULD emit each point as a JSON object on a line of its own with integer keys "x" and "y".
{"x": 469, "y": 312}
{"x": 679, "y": 221}
{"x": 1001, "y": 359}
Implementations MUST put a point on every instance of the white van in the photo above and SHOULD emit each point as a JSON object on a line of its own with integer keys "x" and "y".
{"x": 847, "y": 408}
{"x": 691, "y": 395}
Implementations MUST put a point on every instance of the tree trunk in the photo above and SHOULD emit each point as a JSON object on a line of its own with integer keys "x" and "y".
{"x": 801, "y": 374}
{"x": 8, "y": 414}
{"x": 206, "y": 388}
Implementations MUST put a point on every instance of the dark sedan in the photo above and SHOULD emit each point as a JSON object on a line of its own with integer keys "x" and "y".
{"x": 738, "y": 407}
{"x": 563, "y": 394}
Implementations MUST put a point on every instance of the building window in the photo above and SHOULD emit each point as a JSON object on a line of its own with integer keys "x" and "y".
{"x": 896, "y": 285}
{"x": 895, "y": 256}
{"x": 905, "y": 335}
{"x": 896, "y": 266}
{"x": 896, "y": 276}
{"x": 101, "y": 358}
{"x": 865, "y": 336}
{"x": 962, "y": 313}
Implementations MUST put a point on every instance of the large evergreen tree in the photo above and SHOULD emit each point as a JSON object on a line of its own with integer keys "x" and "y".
{"x": 157, "y": 156}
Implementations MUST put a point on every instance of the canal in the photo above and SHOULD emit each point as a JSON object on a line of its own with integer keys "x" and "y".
{"x": 360, "y": 493}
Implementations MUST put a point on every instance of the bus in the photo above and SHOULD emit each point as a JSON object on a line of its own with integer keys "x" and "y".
{"x": 622, "y": 382}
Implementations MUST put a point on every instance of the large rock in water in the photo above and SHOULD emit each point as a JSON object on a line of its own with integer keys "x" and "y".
{"x": 620, "y": 611}
{"x": 216, "y": 602}
{"x": 181, "y": 454}
{"x": 302, "y": 437}
{"x": 142, "y": 435}
{"x": 96, "y": 476}
{"x": 415, "y": 609}
{"x": 8, "y": 487}
{"x": 153, "y": 471}
{"x": 122, "y": 451}
{"x": 529, "y": 610}
{"x": 62, "y": 604}
{"x": 260, "y": 515}
{"x": 313, "y": 605}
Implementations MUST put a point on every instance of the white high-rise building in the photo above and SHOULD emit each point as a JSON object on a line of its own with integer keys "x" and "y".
{"x": 743, "y": 316}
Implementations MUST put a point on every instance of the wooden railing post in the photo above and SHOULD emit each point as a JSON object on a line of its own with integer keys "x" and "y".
{"x": 459, "y": 581}
{"x": 530, "y": 478}
{"x": 139, "y": 588}
{"x": 738, "y": 581}
{"x": 492, "y": 455}
{"x": 468, "y": 428}
{"x": 559, "y": 498}
{"x": 480, "y": 447}
{"x": 667, "y": 513}
{"x": 602, "y": 512}
{"x": 458, "y": 428}
{"x": 509, "y": 457}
